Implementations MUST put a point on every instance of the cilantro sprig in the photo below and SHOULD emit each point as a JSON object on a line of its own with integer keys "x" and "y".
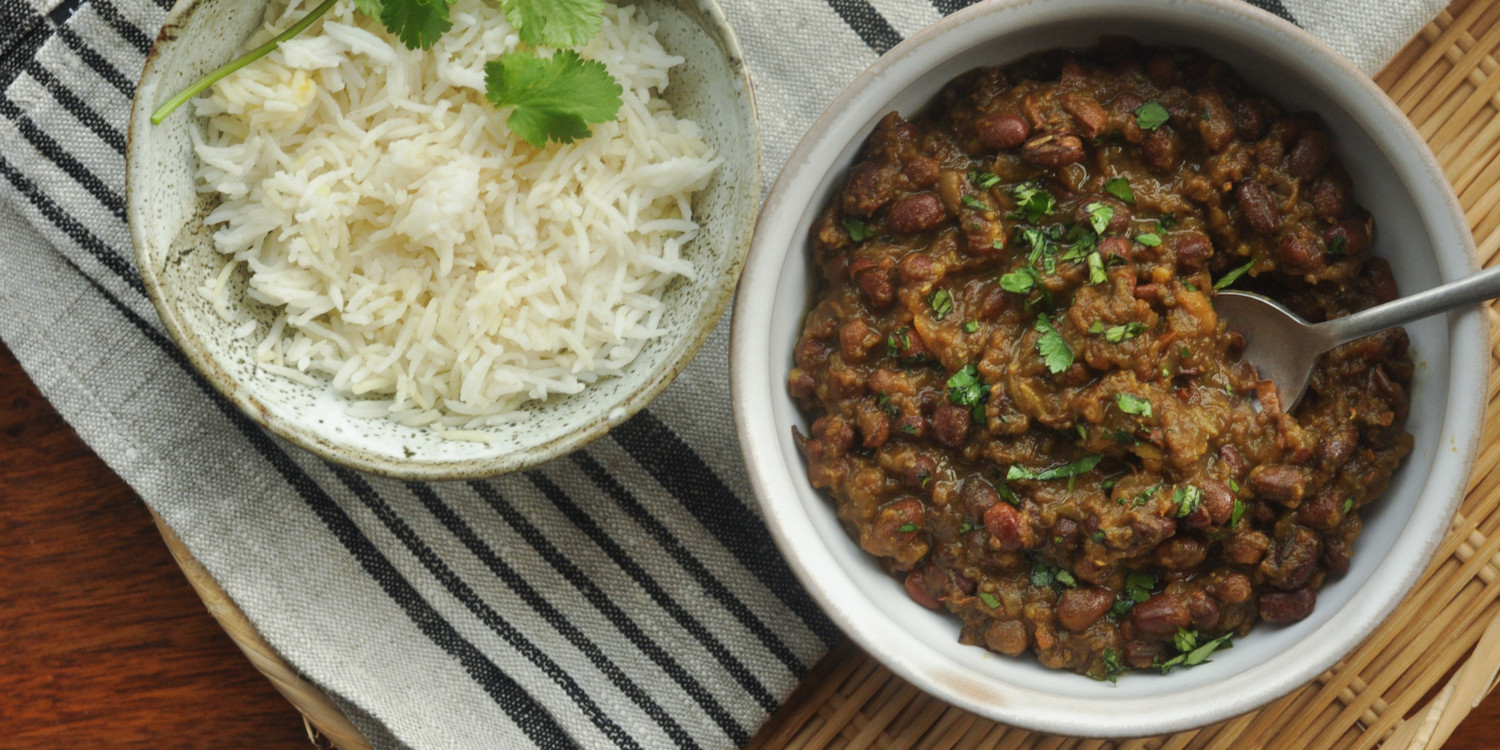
{"x": 1081, "y": 466}
{"x": 551, "y": 98}
{"x": 1056, "y": 353}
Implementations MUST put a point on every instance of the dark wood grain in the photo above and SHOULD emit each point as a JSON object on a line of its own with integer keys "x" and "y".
{"x": 102, "y": 642}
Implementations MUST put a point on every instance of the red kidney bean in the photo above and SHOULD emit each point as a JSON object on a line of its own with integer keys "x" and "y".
{"x": 1159, "y": 152}
{"x": 1354, "y": 233}
{"x": 803, "y": 385}
{"x": 950, "y": 424}
{"x": 1203, "y": 610}
{"x": 1150, "y": 528}
{"x": 1293, "y": 558}
{"x": 873, "y": 281}
{"x": 1145, "y": 654}
{"x": 1010, "y": 527}
{"x": 922, "y": 171}
{"x": 1330, "y": 198}
{"x": 916, "y": 588}
{"x": 1118, "y": 247}
{"x": 1246, "y": 548}
{"x": 977, "y": 496}
{"x": 999, "y": 131}
{"x": 1215, "y": 122}
{"x": 1191, "y": 248}
{"x": 856, "y": 338}
{"x": 1296, "y": 252}
{"x": 912, "y": 426}
{"x": 1087, "y": 113}
{"x": 1312, "y": 151}
{"x": 1080, "y": 608}
{"x": 1382, "y": 282}
{"x": 1250, "y": 120}
{"x": 869, "y": 188}
{"x": 1286, "y": 606}
{"x": 1284, "y": 484}
{"x": 1181, "y": 552}
{"x": 1162, "y": 614}
{"x": 917, "y": 212}
{"x": 1007, "y": 637}
{"x": 874, "y": 424}
{"x": 1231, "y": 457}
{"x": 920, "y": 473}
{"x": 1232, "y": 588}
{"x": 1053, "y": 150}
{"x": 1336, "y": 553}
{"x": 1258, "y": 207}
{"x": 1218, "y": 501}
{"x": 916, "y": 267}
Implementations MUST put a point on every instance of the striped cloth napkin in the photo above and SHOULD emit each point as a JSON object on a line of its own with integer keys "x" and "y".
{"x": 626, "y": 595}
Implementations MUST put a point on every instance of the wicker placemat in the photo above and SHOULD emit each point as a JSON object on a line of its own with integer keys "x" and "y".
{"x": 1448, "y": 81}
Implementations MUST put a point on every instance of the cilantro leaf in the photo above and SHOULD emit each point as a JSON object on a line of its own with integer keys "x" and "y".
{"x": 941, "y": 303}
{"x": 857, "y": 229}
{"x": 1073, "y": 469}
{"x": 1234, "y": 275}
{"x": 990, "y": 600}
{"x": 555, "y": 23}
{"x": 1149, "y": 239}
{"x": 1348, "y": 505}
{"x": 1138, "y": 588}
{"x": 417, "y": 23}
{"x": 1099, "y": 216}
{"x": 1032, "y": 201}
{"x": 907, "y": 528}
{"x": 966, "y": 389}
{"x": 1119, "y": 187}
{"x": 971, "y": 202}
{"x": 1112, "y": 666}
{"x": 1096, "y": 269}
{"x": 1054, "y": 349}
{"x": 1187, "y": 498}
{"x": 984, "y": 180}
{"x": 1339, "y": 246}
{"x": 1116, "y": 334}
{"x": 1133, "y": 405}
{"x": 1151, "y": 115}
{"x": 1020, "y": 281}
{"x": 1198, "y": 654}
{"x": 553, "y": 98}
{"x": 1239, "y": 512}
{"x": 973, "y": 325}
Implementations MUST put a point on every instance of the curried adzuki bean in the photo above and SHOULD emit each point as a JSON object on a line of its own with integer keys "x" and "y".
{"x": 1020, "y": 397}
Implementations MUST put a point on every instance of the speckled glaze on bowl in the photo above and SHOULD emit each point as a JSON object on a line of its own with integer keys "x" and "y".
{"x": 175, "y": 252}
{"x": 1421, "y": 232}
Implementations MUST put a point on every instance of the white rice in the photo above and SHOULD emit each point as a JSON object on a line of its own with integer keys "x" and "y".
{"x": 422, "y": 256}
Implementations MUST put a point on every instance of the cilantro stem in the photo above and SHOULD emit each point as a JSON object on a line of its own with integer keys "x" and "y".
{"x": 197, "y": 88}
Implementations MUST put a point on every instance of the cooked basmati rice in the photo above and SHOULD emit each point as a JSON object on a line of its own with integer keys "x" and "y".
{"x": 422, "y": 256}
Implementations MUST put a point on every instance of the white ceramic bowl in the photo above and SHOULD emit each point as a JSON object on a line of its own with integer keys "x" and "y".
{"x": 175, "y": 253}
{"x": 1421, "y": 232}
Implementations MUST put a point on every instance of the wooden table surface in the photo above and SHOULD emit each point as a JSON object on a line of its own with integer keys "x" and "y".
{"x": 102, "y": 642}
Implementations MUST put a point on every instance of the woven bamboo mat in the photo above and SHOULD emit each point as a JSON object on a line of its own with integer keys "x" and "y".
{"x": 1405, "y": 688}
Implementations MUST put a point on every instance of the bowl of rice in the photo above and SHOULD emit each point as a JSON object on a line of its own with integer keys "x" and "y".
{"x": 351, "y": 245}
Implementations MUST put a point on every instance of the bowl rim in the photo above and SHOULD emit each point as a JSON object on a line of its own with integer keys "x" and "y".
{"x": 682, "y": 351}
{"x": 776, "y": 483}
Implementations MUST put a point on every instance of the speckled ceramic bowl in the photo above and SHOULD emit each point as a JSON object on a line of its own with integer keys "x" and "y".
{"x": 1422, "y": 233}
{"x": 175, "y": 253}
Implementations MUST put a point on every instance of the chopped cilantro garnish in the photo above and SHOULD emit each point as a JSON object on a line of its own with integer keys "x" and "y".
{"x": 1044, "y": 574}
{"x": 1073, "y": 469}
{"x": 1146, "y": 494}
{"x": 1119, "y": 187}
{"x": 1054, "y": 349}
{"x": 974, "y": 203}
{"x": 1239, "y": 512}
{"x": 1096, "y": 269}
{"x": 1339, "y": 246}
{"x": 973, "y": 325}
{"x": 990, "y": 600}
{"x": 551, "y": 98}
{"x": 1100, "y": 215}
{"x": 1149, "y": 239}
{"x": 1131, "y": 404}
{"x": 966, "y": 527}
{"x": 907, "y": 528}
{"x": 966, "y": 389}
{"x": 1348, "y": 505}
{"x": 1187, "y": 498}
{"x": 1112, "y": 666}
{"x": 1098, "y": 537}
{"x": 984, "y": 180}
{"x": 1198, "y": 654}
{"x": 898, "y": 341}
{"x": 941, "y": 303}
{"x": 857, "y": 229}
{"x": 1233, "y": 485}
{"x": 1020, "y": 281}
{"x": 1116, "y": 334}
{"x": 1234, "y": 275}
{"x": 1032, "y": 202}
{"x": 1151, "y": 115}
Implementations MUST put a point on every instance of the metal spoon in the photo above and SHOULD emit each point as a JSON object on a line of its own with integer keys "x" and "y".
{"x": 1283, "y": 347}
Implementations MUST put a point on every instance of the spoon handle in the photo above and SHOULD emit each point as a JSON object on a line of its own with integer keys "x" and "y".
{"x": 1467, "y": 291}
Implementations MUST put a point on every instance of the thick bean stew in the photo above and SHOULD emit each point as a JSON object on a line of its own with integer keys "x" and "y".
{"x": 1020, "y": 396}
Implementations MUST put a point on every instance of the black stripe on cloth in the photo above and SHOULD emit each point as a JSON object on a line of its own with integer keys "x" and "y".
{"x": 76, "y": 106}
{"x": 947, "y": 7}
{"x": 621, "y": 558}
{"x": 1274, "y": 7}
{"x": 536, "y": 601}
{"x": 60, "y": 157}
{"x": 867, "y": 22}
{"x": 688, "y": 562}
{"x": 64, "y": 11}
{"x": 75, "y": 231}
{"x": 127, "y": 30}
{"x": 678, "y": 468}
{"x": 25, "y": 32}
{"x": 524, "y": 711}
{"x": 96, "y": 62}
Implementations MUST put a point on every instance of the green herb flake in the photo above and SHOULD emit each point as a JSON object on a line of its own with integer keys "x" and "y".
{"x": 551, "y": 98}
{"x": 971, "y": 326}
{"x": 1131, "y": 404}
{"x": 1239, "y": 512}
{"x": 858, "y": 230}
{"x": 1032, "y": 202}
{"x": 1119, "y": 187}
{"x": 1190, "y": 286}
{"x": 1144, "y": 497}
{"x": 1149, "y": 239}
{"x": 1197, "y": 655}
{"x": 1234, "y": 275}
{"x": 1112, "y": 666}
{"x": 941, "y": 303}
{"x": 1151, "y": 115}
{"x": 898, "y": 341}
{"x": 966, "y": 389}
{"x": 552, "y": 23}
{"x": 966, "y": 527}
{"x": 1020, "y": 282}
{"x": 990, "y": 600}
{"x": 984, "y": 180}
{"x": 907, "y": 528}
{"x": 419, "y": 23}
{"x": 1096, "y": 269}
{"x": 1339, "y": 246}
{"x": 1233, "y": 485}
{"x": 1098, "y": 537}
{"x": 1054, "y": 349}
{"x": 1072, "y": 469}
{"x": 1187, "y": 498}
{"x": 1116, "y": 334}
{"x": 1100, "y": 215}
{"x": 974, "y": 203}
{"x": 1348, "y": 505}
